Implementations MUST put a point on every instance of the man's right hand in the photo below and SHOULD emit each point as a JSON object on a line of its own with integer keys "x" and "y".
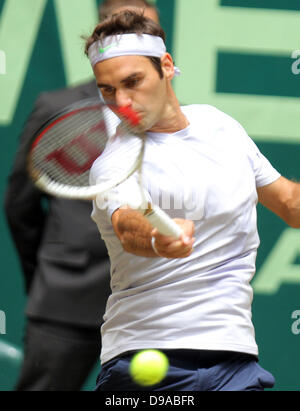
{"x": 168, "y": 247}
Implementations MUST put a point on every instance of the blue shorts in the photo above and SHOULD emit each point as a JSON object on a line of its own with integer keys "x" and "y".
{"x": 192, "y": 370}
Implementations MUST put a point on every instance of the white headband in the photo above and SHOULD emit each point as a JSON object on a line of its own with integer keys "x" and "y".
{"x": 127, "y": 45}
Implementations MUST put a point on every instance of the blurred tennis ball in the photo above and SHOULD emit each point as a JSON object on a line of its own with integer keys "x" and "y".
{"x": 149, "y": 367}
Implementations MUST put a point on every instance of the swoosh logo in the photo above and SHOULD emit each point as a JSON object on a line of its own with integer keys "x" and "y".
{"x": 107, "y": 48}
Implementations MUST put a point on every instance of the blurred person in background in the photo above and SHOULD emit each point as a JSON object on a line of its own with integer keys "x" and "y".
{"x": 64, "y": 261}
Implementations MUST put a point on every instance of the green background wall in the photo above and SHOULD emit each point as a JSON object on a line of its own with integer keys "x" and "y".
{"x": 236, "y": 55}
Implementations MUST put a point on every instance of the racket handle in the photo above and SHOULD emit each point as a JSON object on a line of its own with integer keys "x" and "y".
{"x": 165, "y": 225}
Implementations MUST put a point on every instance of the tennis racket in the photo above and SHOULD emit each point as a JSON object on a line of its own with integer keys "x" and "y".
{"x": 67, "y": 145}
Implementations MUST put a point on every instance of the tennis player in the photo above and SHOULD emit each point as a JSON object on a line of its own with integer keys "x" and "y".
{"x": 189, "y": 297}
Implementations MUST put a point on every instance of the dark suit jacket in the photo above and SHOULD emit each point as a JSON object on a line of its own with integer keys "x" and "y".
{"x": 64, "y": 260}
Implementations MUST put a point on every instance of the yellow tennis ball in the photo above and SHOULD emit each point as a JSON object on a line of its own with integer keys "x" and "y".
{"x": 149, "y": 367}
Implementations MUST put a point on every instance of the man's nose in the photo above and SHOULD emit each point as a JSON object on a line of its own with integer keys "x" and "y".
{"x": 123, "y": 98}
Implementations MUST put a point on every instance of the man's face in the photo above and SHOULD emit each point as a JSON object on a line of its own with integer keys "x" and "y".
{"x": 133, "y": 81}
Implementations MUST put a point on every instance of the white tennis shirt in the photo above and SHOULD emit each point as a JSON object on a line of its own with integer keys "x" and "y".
{"x": 208, "y": 173}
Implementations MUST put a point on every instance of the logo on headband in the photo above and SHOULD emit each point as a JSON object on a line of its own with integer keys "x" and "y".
{"x": 103, "y": 50}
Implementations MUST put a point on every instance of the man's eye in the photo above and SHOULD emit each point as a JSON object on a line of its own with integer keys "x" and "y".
{"x": 132, "y": 83}
{"x": 107, "y": 90}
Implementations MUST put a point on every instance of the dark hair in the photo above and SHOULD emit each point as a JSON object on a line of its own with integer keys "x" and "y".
{"x": 108, "y": 7}
{"x": 127, "y": 22}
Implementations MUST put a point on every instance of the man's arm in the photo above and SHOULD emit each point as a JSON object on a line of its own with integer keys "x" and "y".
{"x": 283, "y": 198}
{"x": 135, "y": 234}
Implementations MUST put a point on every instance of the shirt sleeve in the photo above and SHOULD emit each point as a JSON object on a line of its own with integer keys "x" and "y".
{"x": 119, "y": 159}
{"x": 129, "y": 193}
{"x": 264, "y": 172}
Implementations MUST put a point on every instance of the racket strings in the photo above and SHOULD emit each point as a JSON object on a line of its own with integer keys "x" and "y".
{"x": 68, "y": 148}
{"x": 63, "y": 154}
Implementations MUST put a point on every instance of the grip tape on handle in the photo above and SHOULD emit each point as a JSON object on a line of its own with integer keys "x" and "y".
{"x": 165, "y": 225}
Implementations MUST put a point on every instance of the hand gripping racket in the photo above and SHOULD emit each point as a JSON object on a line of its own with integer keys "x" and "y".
{"x": 66, "y": 146}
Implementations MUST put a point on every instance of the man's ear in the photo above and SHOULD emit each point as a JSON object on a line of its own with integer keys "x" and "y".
{"x": 167, "y": 66}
